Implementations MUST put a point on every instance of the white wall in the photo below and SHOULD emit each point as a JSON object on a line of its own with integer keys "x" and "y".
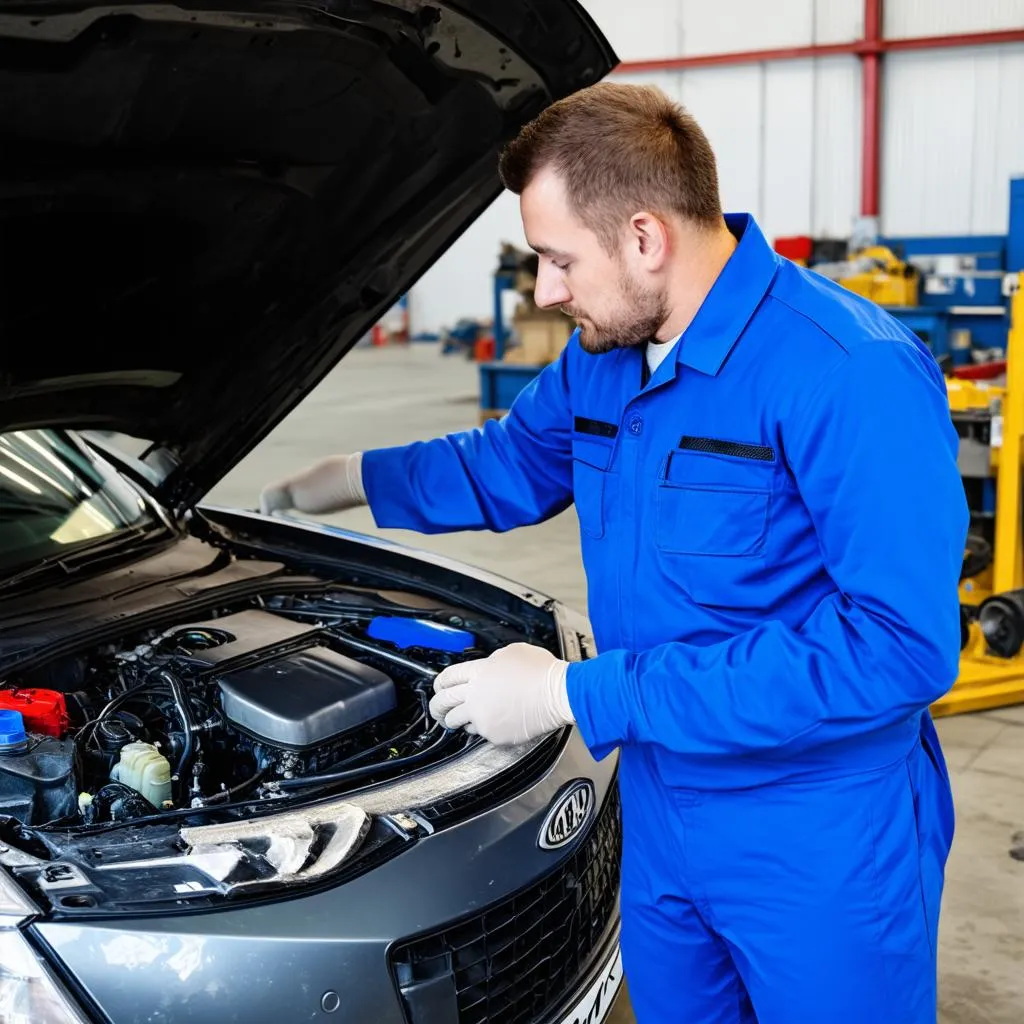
{"x": 909, "y": 18}
{"x": 952, "y": 137}
{"x": 651, "y": 29}
{"x": 788, "y": 134}
{"x": 786, "y": 143}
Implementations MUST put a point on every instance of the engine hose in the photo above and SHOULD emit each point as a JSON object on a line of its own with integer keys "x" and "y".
{"x": 229, "y": 794}
{"x": 188, "y": 726}
{"x": 392, "y": 741}
{"x": 88, "y": 730}
{"x": 369, "y": 770}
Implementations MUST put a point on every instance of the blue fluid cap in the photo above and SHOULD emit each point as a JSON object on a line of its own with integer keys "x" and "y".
{"x": 13, "y": 739}
{"x": 434, "y": 636}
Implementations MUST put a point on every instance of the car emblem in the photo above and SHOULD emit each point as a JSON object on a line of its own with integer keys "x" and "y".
{"x": 569, "y": 815}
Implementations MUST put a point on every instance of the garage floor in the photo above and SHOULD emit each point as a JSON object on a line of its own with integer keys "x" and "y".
{"x": 391, "y": 396}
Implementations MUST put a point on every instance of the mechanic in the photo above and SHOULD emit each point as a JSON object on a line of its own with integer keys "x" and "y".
{"x": 772, "y": 525}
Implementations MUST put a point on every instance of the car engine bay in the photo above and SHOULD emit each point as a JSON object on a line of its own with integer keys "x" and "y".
{"x": 281, "y": 694}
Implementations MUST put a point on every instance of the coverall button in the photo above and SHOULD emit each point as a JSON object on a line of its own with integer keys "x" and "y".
{"x": 636, "y": 425}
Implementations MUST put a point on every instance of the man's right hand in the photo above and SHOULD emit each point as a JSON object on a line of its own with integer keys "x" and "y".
{"x": 331, "y": 485}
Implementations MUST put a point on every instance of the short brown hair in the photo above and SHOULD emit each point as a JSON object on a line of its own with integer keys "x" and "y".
{"x": 619, "y": 149}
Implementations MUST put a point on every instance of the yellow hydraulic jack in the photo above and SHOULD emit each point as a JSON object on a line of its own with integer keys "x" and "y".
{"x": 992, "y": 653}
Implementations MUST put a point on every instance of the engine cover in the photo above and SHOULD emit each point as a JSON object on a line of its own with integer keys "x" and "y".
{"x": 304, "y": 698}
{"x": 275, "y": 690}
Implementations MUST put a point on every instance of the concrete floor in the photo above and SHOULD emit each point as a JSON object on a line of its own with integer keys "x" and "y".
{"x": 392, "y": 396}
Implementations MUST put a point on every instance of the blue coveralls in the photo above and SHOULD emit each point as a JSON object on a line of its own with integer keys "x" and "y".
{"x": 773, "y": 529}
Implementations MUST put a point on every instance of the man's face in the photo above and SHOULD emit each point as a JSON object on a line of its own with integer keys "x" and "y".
{"x": 606, "y": 293}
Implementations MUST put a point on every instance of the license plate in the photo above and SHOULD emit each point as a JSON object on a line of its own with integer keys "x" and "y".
{"x": 595, "y": 1006}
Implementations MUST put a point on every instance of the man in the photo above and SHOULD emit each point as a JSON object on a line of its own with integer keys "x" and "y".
{"x": 772, "y": 525}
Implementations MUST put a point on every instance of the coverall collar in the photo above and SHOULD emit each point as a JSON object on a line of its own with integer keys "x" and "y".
{"x": 733, "y": 298}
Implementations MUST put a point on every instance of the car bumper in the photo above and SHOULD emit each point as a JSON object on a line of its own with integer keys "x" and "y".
{"x": 334, "y": 955}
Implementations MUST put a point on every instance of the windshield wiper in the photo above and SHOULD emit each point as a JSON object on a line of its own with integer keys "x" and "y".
{"x": 84, "y": 553}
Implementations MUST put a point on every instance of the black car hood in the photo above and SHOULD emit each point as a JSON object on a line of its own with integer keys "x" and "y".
{"x": 204, "y": 207}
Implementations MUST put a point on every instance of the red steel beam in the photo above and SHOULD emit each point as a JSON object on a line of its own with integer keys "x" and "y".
{"x": 856, "y": 47}
{"x": 709, "y": 60}
{"x": 871, "y": 109}
{"x": 869, "y": 49}
{"x": 1010, "y": 35}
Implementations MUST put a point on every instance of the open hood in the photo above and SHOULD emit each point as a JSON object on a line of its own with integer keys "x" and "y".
{"x": 203, "y": 207}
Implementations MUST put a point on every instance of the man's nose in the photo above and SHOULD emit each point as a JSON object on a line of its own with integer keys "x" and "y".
{"x": 550, "y": 289}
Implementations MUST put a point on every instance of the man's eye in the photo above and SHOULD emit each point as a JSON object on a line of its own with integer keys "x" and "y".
{"x": 561, "y": 266}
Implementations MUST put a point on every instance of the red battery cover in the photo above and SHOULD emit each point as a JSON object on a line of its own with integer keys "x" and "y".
{"x": 44, "y": 711}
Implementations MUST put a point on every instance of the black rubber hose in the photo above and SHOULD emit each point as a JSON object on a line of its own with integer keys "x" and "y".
{"x": 228, "y": 794}
{"x": 88, "y": 730}
{"x": 371, "y": 769}
{"x": 188, "y": 726}
{"x": 391, "y": 741}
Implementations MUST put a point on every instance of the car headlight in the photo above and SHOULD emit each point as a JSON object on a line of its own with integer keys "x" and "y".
{"x": 29, "y": 993}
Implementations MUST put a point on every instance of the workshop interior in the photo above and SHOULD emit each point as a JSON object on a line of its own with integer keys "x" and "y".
{"x": 222, "y": 795}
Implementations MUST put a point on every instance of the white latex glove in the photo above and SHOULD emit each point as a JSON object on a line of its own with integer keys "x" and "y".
{"x": 331, "y": 485}
{"x": 515, "y": 695}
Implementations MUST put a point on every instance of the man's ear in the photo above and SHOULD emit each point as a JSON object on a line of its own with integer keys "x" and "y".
{"x": 650, "y": 239}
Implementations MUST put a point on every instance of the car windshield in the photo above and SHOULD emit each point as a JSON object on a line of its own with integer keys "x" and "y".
{"x": 56, "y": 493}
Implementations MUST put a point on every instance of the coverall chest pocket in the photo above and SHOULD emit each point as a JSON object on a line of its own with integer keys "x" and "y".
{"x": 591, "y": 457}
{"x": 713, "y": 514}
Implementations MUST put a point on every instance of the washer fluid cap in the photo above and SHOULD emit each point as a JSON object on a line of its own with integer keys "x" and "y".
{"x": 13, "y": 738}
{"x": 434, "y": 636}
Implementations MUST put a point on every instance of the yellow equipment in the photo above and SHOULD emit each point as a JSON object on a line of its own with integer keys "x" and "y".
{"x": 992, "y": 658}
{"x": 877, "y": 274}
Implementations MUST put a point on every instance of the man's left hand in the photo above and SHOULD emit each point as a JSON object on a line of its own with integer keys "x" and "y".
{"x": 515, "y": 695}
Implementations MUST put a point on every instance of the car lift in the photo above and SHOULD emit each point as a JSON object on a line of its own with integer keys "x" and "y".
{"x": 990, "y": 421}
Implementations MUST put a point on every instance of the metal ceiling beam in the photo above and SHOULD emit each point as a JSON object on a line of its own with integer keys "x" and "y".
{"x": 856, "y": 47}
{"x": 870, "y": 49}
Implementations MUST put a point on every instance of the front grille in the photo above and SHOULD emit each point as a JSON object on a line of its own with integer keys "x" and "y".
{"x": 521, "y": 957}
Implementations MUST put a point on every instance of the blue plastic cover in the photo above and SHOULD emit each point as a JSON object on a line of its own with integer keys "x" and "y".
{"x": 12, "y": 728}
{"x": 434, "y": 636}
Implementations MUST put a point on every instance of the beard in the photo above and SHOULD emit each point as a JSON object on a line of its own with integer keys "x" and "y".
{"x": 641, "y": 312}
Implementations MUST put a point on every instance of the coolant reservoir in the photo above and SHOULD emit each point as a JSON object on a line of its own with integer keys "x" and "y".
{"x": 143, "y": 768}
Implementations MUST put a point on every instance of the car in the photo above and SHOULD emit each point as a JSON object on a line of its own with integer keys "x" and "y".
{"x": 222, "y": 796}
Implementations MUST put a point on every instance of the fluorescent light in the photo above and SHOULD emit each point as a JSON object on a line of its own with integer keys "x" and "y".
{"x": 19, "y": 480}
